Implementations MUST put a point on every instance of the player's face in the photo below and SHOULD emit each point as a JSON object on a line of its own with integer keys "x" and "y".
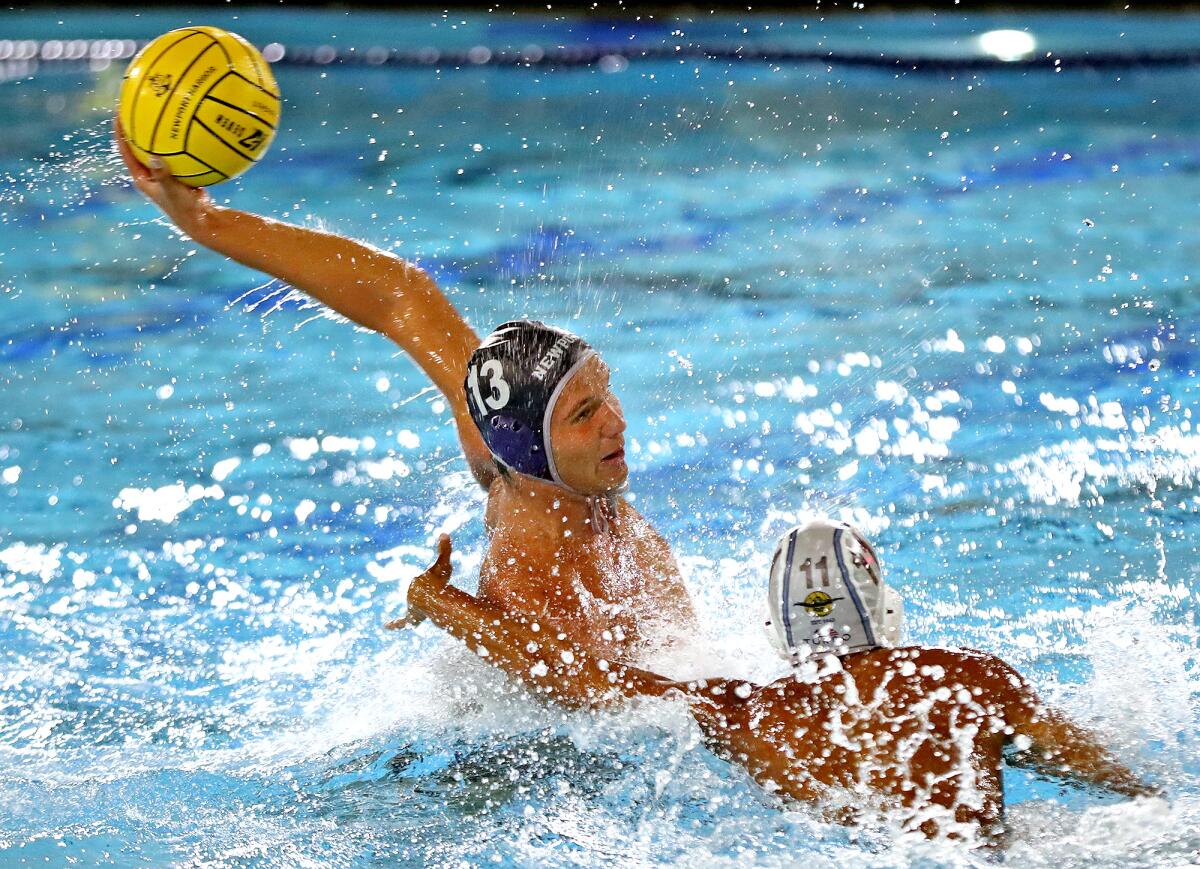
{"x": 587, "y": 432}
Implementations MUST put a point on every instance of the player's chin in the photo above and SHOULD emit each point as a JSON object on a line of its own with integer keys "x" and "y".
{"x": 612, "y": 471}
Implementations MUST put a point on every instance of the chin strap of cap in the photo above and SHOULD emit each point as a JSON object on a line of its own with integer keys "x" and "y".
{"x": 604, "y": 509}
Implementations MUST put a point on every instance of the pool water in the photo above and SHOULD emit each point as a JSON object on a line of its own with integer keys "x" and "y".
{"x": 958, "y": 309}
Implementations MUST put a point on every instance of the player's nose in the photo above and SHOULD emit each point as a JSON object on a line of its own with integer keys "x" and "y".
{"x": 614, "y": 422}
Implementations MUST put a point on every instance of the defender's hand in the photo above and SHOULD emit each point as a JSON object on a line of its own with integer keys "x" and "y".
{"x": 431, "y": 582}
{"x": 186, "y": 206}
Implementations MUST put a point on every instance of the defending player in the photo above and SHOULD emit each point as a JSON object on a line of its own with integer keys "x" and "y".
{"x": 919, "y": 730}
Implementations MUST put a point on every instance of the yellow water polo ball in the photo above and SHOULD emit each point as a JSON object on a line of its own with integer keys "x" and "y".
{"x": 203, "y": 100}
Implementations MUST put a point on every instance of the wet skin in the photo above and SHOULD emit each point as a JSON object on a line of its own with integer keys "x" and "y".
{"x": 919, "y": 730}
{"x": 913, "y": 728}
{"x": 546, "y": 560}
{"x": 546, "y": 557}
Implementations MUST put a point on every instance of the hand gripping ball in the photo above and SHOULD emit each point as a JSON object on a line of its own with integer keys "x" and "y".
{"x": 203, "y": 100}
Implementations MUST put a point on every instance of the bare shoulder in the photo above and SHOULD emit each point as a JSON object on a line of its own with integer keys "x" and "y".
{"x": 515, "y": 572}
{"x": 643, "y": 529}
{"x": 911, "y": 674}
{"x": 491, "y": 513}
{"x": 972, "y": 667}
{"x": 511, "y": 582}
{"x": 940, "y": 664}
{"x": 663, "y": 587}
{"x": 628, "y": 512}
{"x": 982, "y": 664}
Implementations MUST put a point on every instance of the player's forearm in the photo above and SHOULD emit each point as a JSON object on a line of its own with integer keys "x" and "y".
{"x": 536, "y": 654}
{"x": 367, "y": 285}
{"x": 1061, "y": 746}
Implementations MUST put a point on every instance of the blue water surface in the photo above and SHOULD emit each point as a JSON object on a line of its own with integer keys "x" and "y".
{"x": 957, "y": 309}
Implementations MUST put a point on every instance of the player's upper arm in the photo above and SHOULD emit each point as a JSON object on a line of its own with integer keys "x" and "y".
{"x": 479, "y": 457}
{"x": 430, "y": 329}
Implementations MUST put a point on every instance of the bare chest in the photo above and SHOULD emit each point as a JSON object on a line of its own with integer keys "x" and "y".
{"x": 603, "y": 585}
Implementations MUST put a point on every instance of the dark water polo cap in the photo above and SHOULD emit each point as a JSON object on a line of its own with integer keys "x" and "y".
{"x": 513, "y": 380}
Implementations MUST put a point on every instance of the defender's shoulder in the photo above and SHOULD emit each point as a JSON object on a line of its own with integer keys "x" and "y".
{"x": 980, "y": 668}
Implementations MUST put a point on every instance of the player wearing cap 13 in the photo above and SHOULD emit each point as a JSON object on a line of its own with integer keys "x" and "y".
{"x": 539, "y": 424}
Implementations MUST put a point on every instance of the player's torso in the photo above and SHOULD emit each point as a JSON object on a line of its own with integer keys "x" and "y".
{"x": 602, "y": 584}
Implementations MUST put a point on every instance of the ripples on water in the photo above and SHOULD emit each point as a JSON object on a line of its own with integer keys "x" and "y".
{"x": 980, "y": 350}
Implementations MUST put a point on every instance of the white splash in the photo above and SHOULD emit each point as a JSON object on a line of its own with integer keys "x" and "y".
{"x": 164, "y": 504}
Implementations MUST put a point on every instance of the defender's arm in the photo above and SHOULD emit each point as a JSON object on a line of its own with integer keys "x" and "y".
{"x": 1063, "y": 747}
{"x": 1055, "y": 743}
{"x": 540, "y": 656}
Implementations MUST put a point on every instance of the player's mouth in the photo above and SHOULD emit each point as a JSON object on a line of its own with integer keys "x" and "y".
{"x": 617, "y": 455}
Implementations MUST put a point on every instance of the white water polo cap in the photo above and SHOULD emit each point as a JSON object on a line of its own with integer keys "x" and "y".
{"x": 827, "y": 593}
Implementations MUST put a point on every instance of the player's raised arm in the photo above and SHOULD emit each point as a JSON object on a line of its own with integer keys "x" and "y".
{"x": 374, "y": 288}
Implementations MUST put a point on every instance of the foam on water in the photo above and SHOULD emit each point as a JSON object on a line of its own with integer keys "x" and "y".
{"x": 423, "y": 689}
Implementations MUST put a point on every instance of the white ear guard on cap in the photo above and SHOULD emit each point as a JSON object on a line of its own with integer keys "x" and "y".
{"x": 827, "y": 593}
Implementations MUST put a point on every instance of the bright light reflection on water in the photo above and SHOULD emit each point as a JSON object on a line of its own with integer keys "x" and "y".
{"x": 1007, "y": 44}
